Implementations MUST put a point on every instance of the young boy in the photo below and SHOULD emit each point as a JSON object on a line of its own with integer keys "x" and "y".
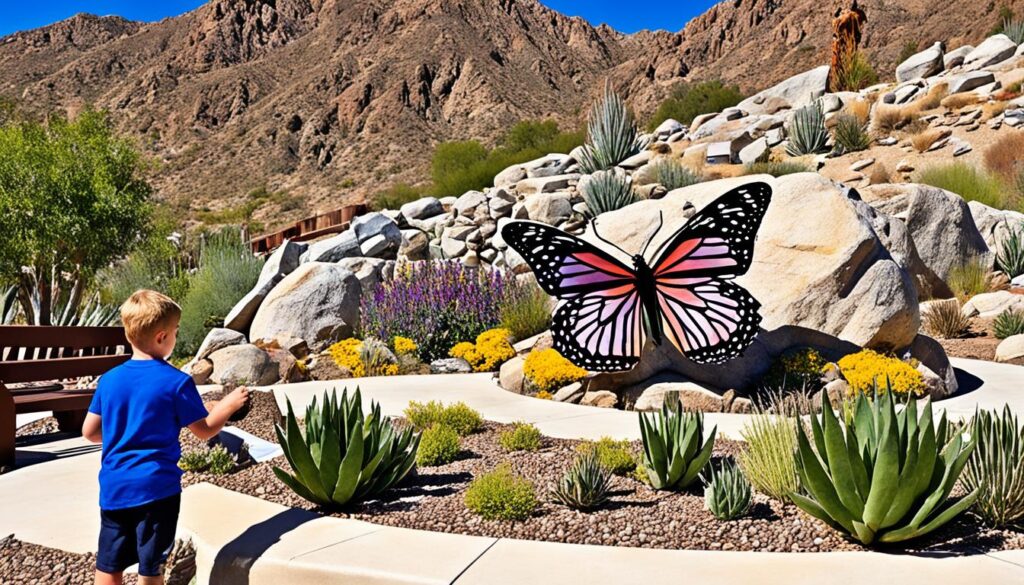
{"x": 137, "y": 412}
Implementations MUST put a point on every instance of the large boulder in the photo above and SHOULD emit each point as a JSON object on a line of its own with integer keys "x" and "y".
{"x": 995, "y": 49}
{"x": 990, "y": 305}
{"x": 378, "y": 235}
{"x": 1011, "y": 349}
{"x": 549, "y": 208}
{"x": 995, "y": 225}
{"x": 923, "y": 64}
{"x": 318, "y": 302}
{"x": 243, "y": 364}
{"x": 370, "y": 271}
{"x": 280, "y": 264}
{"x": 334, "y": 248}
{"x": 797, "y": 92}
{"x": 943, "y": 229}
{"x": 217, "y": 339}
{"x": 422, "y": 208}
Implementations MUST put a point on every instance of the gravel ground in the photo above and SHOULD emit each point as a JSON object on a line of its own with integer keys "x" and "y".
{"x": 22, "y": 563}
{"x": 977, "y": 343}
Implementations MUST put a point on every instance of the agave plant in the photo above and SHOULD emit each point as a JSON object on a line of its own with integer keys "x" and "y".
{"x": 671, "y": 174}
{"x": 996, "y": 468}
{"x": 612, "y": 135}
{"x": 727, "y": 492}
{"x": 807, "y": 134}
{"x": 585, "y": 485}
{"x": 606, "y": 191}
{"x": 850, "y": 134}
{"x": 1014, "y": 29}
{"x": 344, "y": 456}
{"x": 1008, "y": 323}
{"x": 675, "y": 451}
{"x": 884, "y": 477}
{"x": 1010, "y": 257}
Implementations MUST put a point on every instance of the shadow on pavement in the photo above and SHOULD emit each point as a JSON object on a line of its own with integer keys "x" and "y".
{"x": 235, "y": 559}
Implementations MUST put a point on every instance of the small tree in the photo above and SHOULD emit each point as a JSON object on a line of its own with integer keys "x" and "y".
{"x": 72, "y": 199}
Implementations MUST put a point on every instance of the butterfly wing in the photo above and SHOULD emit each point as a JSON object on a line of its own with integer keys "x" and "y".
{"x": 598, "y": 324}
{"x": 704, "y": 315}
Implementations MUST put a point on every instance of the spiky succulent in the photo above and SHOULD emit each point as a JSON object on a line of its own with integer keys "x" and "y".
{"x": 727, "y": 492}
{"x": 585, "y": 485}
{"x": 996, "y": 468}
{"x": 606, "y": 191}
{"x": 884, "y": 476}
{"x": 675, "y": 450}
{"x": 1008, "y": 323}
{"x": 807, "y": 133}
{"x": 945, "y": 319}
{"x": 850, "y": 134}
{"x": 1010, "y": 257}
{"x": 612, "y": 135}
{"x": 671, "y": 174}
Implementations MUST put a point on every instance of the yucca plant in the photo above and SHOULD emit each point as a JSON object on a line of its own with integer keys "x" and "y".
{"x": 996, "y": 468}
{"x": 727, "y": 492}
{"x": 1008, "y": 323}
{"x": 612, "y": 135}
{"x": 1010, "y": 257}
{"x": 671, "y": 174}
{"x": 850, "y": 134}
{"x": 1014, "y": 29}
{"x": 585, "y": 485}
{"x": 807, "y": 133}
{"x": 945, "y": 319}
{"x": 606, "y": 191}
{"x": 885, "y": 476}
{"x": 675, "y": 450}
{"x": 344, "y": 456}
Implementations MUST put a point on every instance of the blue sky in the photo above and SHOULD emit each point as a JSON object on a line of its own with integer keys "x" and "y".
{"x": 626, "y": 17}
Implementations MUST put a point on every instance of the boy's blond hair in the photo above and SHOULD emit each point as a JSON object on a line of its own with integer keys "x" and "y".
{"x": 145, "y": 312}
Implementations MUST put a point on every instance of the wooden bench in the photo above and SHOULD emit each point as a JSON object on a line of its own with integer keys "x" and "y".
{"x": 50, "y": 354}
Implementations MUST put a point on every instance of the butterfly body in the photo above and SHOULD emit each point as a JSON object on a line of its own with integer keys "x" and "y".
{"x": 607, "y": 310}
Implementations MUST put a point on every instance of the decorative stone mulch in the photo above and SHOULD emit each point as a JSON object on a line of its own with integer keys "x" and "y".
{"x": 23, "y": 563}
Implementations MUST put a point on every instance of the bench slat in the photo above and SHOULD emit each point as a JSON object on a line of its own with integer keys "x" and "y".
{"x": 57, "y": 401}
{"x": 37, "y": 370}
{"x": 33, "y": 336}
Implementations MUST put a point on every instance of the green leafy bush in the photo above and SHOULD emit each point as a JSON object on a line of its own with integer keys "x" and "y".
{"x": 615, "y": 456}
{"x": 671, "y": 174}
{"x": 398, "y": 195}
{"x": 1014, "y": 29}
{"x": 501, "y": 495}
{"x": 850, "y": 134}
{"x": 521, "y": 437}
{"x": 525, "y": 310}
{"x": 343, "y": 456}
{"x": 216, "y": 460}
{"x": 971, "y": 183}
{"x": 1010, "y": 257}
{"x": 585, "y": 485}
{"x": 727, "y": 492}
{"x": 606, "y": 191}
{"x": 996, "y": 468}
{"x": 776, "y": 169}
{"x": 886, "y": 475}
{"x": 1008, "y": 323}
{"x": 969, "y": 279}
{"x": 854, "y": 73}
{"x": 227, "y": 271}
{"x": 769, "y": 459}
{"x": 439, "y": 445}
{"x": 612, "y": 135}
{"x": 945, "y": 319}
{"x": 458, "y": 416}
{"x": 674, "y": 454}
{"x": 807, "y": 133}
{"x": 691, "y": 100}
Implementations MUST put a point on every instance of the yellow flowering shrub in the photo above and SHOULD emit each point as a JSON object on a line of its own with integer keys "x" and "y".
{"x": 492, "y": 348}
{"x": 544, "y": 395}
{"x": 796, "y": 368}
{"x": 345, "y": 353}
{"x": 404, "y": 345}
{"x": 866, "y": 367}
{"x": 362, "y": 360}
{"x": 547, "y": 369}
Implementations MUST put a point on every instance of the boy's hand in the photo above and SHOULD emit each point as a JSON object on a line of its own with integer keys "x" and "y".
{"x": 236, "y": 399}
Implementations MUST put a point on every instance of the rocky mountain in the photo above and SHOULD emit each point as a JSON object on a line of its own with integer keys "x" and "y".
{"x": 332, "y": 100}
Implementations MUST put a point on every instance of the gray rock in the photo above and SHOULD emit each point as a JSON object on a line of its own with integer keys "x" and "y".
{"x": 370, "y": 271}
{"x": 282, "y": 261}
{"x": 930, "y": 354}
{"x": 969, "y": 81}
{"x": 343, "y": 245}
{"x": 1010, "y": 349}
{"x": 511, "y": 376}
{"x": 956, "y": 57}
{"x": 923, "y": 64}
{"x": 548, "y": 166}
{"x": 995, "y": 225}
{"x": 377, "y": 224}
{"x": 450, "y": 366}
{"x": 990, "y": 305}
{"x": 668, "y": 128}
{"x": 545, "y": 184}
{"x": 691, "y": 396}
{"x": 422, "y": 208}
{"x": 600, "y": 399}
{"x": 993, "y": 50}
{"x": 756, "y": 151}
{"x": 943, "y": 229}
{"x": 279, "y": 264}
{"x": 797, "y": 91}
{"x": 510, "y": 176}
{"x": 415, "y": 245}
{"x": 571, "y": 393}
{"x": 243, "y": 364}
{"x": 549, "y": 208}
{"x": 637, "y": 160}
{"x": 467, "y": 203}
{"x": 318, "y": 302}
{"x": 218, "y": 338}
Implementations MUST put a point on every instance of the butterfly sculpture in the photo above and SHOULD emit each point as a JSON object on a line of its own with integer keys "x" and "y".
{"x": 607, "y": 310}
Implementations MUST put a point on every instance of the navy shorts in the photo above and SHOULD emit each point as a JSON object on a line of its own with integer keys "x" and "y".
{"x": 143, "y": 534}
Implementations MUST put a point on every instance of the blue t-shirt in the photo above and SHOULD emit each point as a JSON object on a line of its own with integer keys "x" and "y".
{"x": 143, "y": 405}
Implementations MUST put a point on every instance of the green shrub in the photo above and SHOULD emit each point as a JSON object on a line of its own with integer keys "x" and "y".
{"x": 615, "y": 456}
{"x": 1014, "y": 29}
{"x": 727, "y": 492}
{"x": 971, "y": 183}
{"x": 996, "y": 468}
{"x": 216, "y": 460}
{"x": 671, "y": 174}
{"x": 612, "y": 135}
{"x": 605, "y": 191}
{"x": 227, "y": 271}
{"x": 398, "y": 195}
{"x": 850, "y": 134}
{"x": 945, "y": 319}
{"x": 521, "y": 437}
{"x": 343, "y": 455}
{"x": 910, "y": 48}
{"x": 807, "y": 133}
{"x": 797, "y": 368}
{"x": 691, "y": 100}
{"x": 776, "y": 169}
{"x": 674, "y": 454}
{"x": 969, "y": 279}
{"x": 769, "y": 459}
{"x": 1008, "y": 323}
{"x": 524, "y": 310}
{"x": 585, "y": 485}
{"x": 458, "y": 416}
{"x": 886, "y": 475}
{"x": 855, "y": 73}
{"x": 439, "y": 445}
{"x": 501, "y": 495}
{"x": 1010, "y": 257}
{"x": 539, "y": 137}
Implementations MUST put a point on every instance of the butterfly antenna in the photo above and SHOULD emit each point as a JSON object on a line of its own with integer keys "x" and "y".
{"x": 593, "y": 224}
{"x": 650, "y": 238}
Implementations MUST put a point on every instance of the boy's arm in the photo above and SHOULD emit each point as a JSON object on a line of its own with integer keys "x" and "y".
{"x": 207, "y": 428}
{"x": 92, "y": 428}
